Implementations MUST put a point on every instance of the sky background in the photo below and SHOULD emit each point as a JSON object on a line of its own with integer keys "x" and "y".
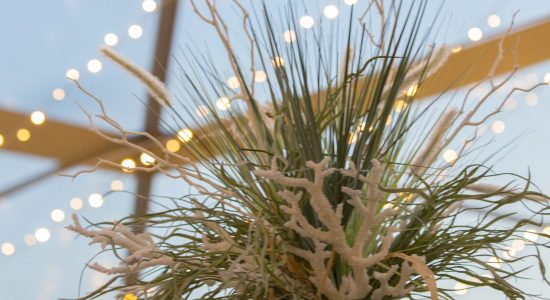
{"x": 41, "y": 40}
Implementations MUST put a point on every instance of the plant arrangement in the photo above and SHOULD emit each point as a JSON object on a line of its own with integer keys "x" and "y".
{"x": 333, "y": 186}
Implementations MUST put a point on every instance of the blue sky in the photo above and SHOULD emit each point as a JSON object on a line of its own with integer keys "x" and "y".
{"x": 41, "y": 40}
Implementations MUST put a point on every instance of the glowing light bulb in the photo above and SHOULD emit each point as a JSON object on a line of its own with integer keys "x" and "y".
{"x": 128, "y": 164}
{"x": 547, "y": 78}
{"x": 411, "y": 91}
{"x": 7, "y": 249}
{"x": 149, "y": 6}
{"x": 493, "y": 21}
{"x": 531, "y": 235}
{"x": 400, "y": 106}
{"x": 42, "y": 234}
{"x": 331, "y": 12}
{"x": 173, "y": 146}
{"x": 1, "y": 140}
{"x": 38, "y": 118}
{"x": 289, "y": 36}
{"x": 202, "y": 111}
{"x": 57, "y": 215}
{"x": 510, "y": 104}
{"x": 76, "y": 203}
{"x": 260, "y": 76}
{"x": 475, "y": 34}
{"x": 72, "y": 74}
{"x": 30, "y": 240}
{"x": 130, "y": 296}
{"x": 23, "y": 135}
{"x": 307, "y": 22}
{"x": 233, "y": 82}
{"x": 110, "y": 39}
{"x": 460, "y": 288}
{"x": 223, "y": 103}
{"x": 450, "y": 155}
{"x": 481, "y": 129}
{"x": 350, "y": 2}
{"x": 95, "y": 200}
{"x": 518, "y": 245}
{"x": 278, "y": 62}
{"x": 185, "y": 135}
{"x": 58, "y": 94}
{"x": 146, "y": 159}
{"x": 498, "y": 127}
{"x": 135, "y": 31}
{"x": 94, "y": 65}
{"x": 117, "y": 185}
{"x": 531, "y": 99}
{"x": 456, "y": 49}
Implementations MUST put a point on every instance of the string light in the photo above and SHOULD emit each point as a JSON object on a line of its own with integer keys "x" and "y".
{"x": 110, "y": 39}
{"x": 481, "y": 129}
{"x": 289, "y": 36}
{"x": 57, "y": 215}
{"x": 493, "y": 21}
{"x": 7, "y": 249}
{"x": 456, "y": 49}
{"x": 498, "y": 127}
{"x": 307, "y": 22}
{"x": 117, "y": 185}
{"x": 260, "y": 76}
{"x": 202, "y": 111}
{"x": 38, "y": 118}
{"x": 411, "y": 91}
{"x": 30, "y": 240}
{"x": 130, "y": 296}
{"x": 146, "y": 159}
{"x": 1, "y": 140}
{"x": 223, "y": 103}
{"x": 23, "y": 135}
{"x": 95, "y": 200}
{"x": 547, "y": 78}
{"x": 475, "y": 34}
{"x": 233, "y": 82}
{"x": 149, "y": 6}
{"x": 531, "y": 99}
{"x": 510, "y": 104}
{"x": 400, "y": 106}
{"x": 518, "y": 245}
{"x": 128, "y": 164}
{"x": 72, "y": 74}
{"x": 331, "y": 12}
{"x": 76, "y": 203}
{"x": 450, "y": 155}
{"x": 278, "y": 62}
{"x": 42, "y": 234}
{"x": 94, "y": 65}
{"x": 173, "y": 146}
{"x": 531, "y": 235}
{"x": 460, "y": 288}
{"x": 350, "y": 2}
{"x": 185, "y": 135}
{"x": 58, "y": 94}
{"x": 135, "y": 31}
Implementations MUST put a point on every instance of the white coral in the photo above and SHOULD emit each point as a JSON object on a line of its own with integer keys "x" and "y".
{"x": 144, "y": 252}
{"x": 357, "y": 284}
